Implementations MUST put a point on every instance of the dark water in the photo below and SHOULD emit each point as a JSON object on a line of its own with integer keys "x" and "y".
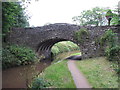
{"x": 20, "y": 77}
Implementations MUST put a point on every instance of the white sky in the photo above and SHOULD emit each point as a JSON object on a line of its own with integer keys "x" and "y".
{"x": 62, "y": 11}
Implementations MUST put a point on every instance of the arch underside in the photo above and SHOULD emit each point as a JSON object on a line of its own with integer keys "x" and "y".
{"x": 47, "y": 45}
{"x": 44, "y": 48}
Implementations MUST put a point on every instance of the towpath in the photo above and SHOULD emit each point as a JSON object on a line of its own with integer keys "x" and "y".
{"x": 79, "y": 79}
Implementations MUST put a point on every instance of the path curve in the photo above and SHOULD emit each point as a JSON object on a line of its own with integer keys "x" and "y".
{"x": 79, "y": 79}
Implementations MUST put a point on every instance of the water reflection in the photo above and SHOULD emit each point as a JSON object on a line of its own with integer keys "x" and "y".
{"x": 20, "y": 77}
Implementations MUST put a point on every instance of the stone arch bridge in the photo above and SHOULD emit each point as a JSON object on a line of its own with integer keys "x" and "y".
{"x": 41, "y": 39}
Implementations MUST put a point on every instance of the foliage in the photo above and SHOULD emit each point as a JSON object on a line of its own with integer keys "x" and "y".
{"x": 96, "y": 17}
{"x": 109, "y": 13}
{"x": 8, "y": 59}
{"x": 40, "y": 83}
{"x": 113, "y": 54}
{"x": 66, "y": 47}
{"x": 13, "y": 15}
{"x": 90, "y": 17}
{"x": 116, "y": 16}
{"x": 115, "y": 20}
{"x": 17, "y": 55}
{"x": 81, "y": 35}
{"x": 109, "y": 16}
{"x": 99, "y": 72}
{"x": 109, "y": 38}
{"x": 58, "y": 75}
{"x": 112, "y": 49}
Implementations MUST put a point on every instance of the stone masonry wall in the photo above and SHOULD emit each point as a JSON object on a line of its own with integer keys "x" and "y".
{"x": 41, "y": 39}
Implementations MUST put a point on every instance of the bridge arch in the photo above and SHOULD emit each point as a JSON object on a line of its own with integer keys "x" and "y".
{"x": 44, "y": 48}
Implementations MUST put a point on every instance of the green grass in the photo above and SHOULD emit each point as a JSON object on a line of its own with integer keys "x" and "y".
{"x": 76, "y": 54}
{"x": 64, "y": 46}
{"x": 99, "y": 72}
{"x": 58, "y": 75}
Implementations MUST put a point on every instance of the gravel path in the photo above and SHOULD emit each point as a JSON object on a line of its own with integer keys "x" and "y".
{"x": 79, "y": 79}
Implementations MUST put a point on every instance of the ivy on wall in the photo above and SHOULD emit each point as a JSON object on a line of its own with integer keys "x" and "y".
{"x": 110, "y": 41}
{"x": 109, "y": 38}
{"x": 81, "y": 35}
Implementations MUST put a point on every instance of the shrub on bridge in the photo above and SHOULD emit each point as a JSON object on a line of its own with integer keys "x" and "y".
{"x": 109, "y": 39}
{"x": 17, "y": 55}
{"x": 81, "y": 35}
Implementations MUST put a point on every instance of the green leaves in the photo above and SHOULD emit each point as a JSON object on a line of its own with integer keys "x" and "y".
{"x": 110, "y": 38}
{"x": 66, "y": 47}
{"x": 17, "y": 55}
{"x": 12, "y": 16}
{"x": 40, "y": 83}
{"x": 90, "y": 17}
{"x": 96, "y": 17}
{"x": 112, "y": 49}
{"x": 113, "y": 54}
{"x": 109, "y": 13}
{"x": 81, "y": 35}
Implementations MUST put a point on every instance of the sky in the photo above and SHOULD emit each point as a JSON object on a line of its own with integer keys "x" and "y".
{"x": 43, "y": 12}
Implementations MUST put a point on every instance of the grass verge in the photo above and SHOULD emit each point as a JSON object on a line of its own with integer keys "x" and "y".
{"x": 76, "y": 54}
{"x": 99, "y": 72}
{"x": 67, "y": 46}
{"x": 58, "y": 75}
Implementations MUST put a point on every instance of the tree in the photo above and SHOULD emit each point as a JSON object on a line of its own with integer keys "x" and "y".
{"x": 116, "y": 15}
{"x": 91, "y": 17}
{"x": 13, "y": 15}
{"x": 109, "y": 16}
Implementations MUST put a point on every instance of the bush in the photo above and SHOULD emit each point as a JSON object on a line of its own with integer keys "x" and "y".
{"x": 81, "y": 35}
{"x": 113, "y": 54}
{"x": 109, "y": 38}
{"x": 8, "y": 59}
{"x": 17, "y": 55}
{"x": 112, "y": 49}
{"x": 40, "y": 83}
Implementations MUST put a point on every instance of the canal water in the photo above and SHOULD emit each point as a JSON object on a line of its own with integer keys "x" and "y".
{"x": 21, "y": 77}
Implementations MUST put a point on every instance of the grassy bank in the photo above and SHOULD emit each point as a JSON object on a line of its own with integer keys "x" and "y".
{"x": 64, "y": 46}
{"x": 99, "y": 72}
{"x": 58, "y": 75}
